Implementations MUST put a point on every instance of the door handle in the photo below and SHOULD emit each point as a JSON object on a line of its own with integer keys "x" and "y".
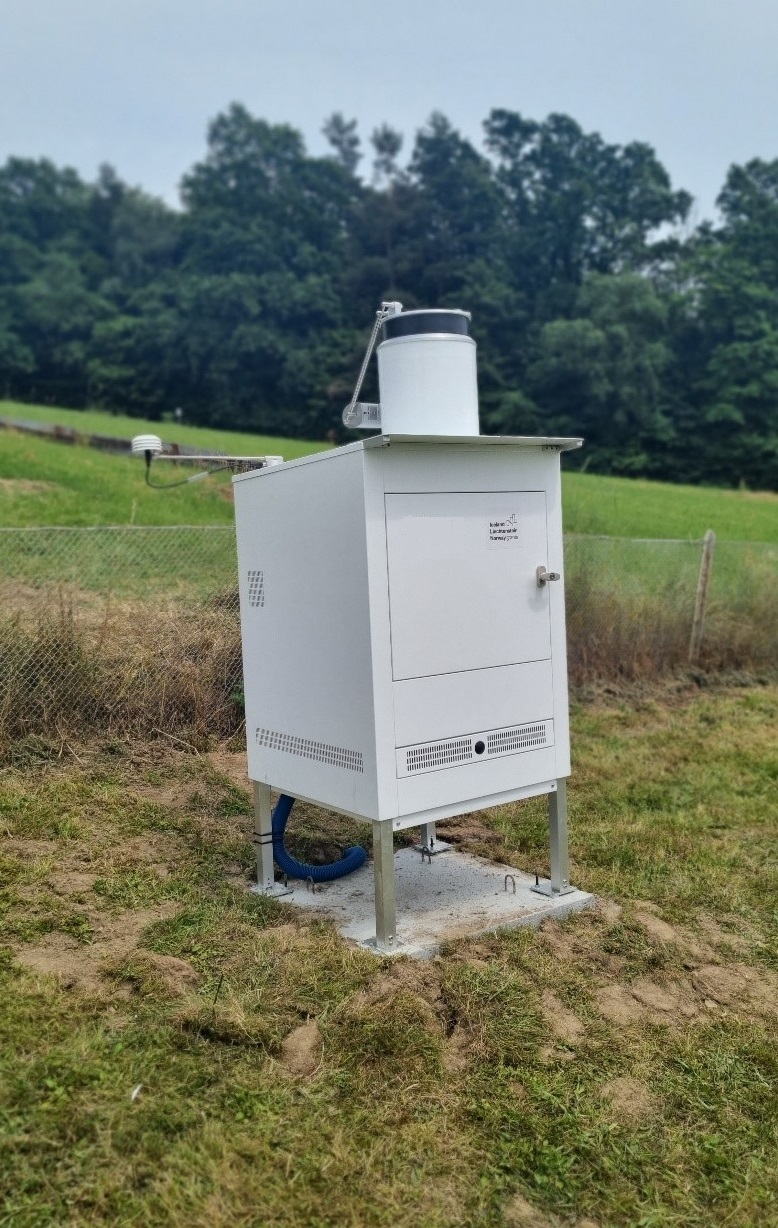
{"x": 542, "y": 576}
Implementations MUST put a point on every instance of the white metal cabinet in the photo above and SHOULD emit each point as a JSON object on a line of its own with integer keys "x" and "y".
{"x": 400, "y": 610}
{"x": 402, "y": 661}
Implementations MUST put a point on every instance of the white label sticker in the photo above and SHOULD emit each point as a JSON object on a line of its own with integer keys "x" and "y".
{"x": 504, "y": 530}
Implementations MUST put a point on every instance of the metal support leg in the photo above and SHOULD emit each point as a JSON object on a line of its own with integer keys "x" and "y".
{"x": 263, "y": 842}
{"x": 429, "y": 840}
{"x": 560, "y": 863}
{"x": 560, "y": 859}
{"x": 385, "y": 901}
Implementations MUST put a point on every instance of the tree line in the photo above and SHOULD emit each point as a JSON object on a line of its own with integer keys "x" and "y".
{"x": 598, "y": 309}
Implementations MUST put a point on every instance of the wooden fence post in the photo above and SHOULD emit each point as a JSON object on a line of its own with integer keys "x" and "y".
{"x": 701, "y": 601}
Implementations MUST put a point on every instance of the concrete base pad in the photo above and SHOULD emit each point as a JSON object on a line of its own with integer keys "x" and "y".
{"x": 455, "y": 896}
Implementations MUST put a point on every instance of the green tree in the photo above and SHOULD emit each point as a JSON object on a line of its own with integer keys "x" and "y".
{"x": 601, "y": 374}
{"x": 577, "y": 204}
{"x": 343, "y": 137}
{"x": 730, "y": 423}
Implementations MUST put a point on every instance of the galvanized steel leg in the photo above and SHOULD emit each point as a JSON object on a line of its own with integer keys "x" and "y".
{"x": 385, "y": 899}
{"x": 428, "y": 835}
{"x": 263, "y": 841}
{"x": 560, "y": 859}
{"x": 263, "y": 837}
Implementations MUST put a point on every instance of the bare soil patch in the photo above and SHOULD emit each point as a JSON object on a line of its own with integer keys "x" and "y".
{"x": 301, "y": 1050}
{"x": 734, "y": 986}
{"x": 418, "y": 977}
{"x": 581, "y": 942}
{"x": 664, "y": 1002}
{"x": 647, "y": 1001}
{"x": 468, "y": 833}
{"x": 656, "y": 928}
{"x": 456, "y": 1052}
{"x": 177, "y": 975}
{"x": 33, "y": 850}
{"x": 630, "y": 1100}
{"x": 78, "y": 966}
{"x": 610, "y": 911}
{"x": 520, "y": 1213}
{"x": 153, "y": 851}
{"x": 564, "y": 1023}
{"x": 737, "y": 985}
{"x": 71, "y": 882}
{"x": 174, "y": 795}
{"x": 719, "y": 936}
{"x": 233, "y": 766}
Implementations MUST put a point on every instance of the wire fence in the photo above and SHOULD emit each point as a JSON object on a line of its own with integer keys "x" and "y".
{"x": 139, "y": 626}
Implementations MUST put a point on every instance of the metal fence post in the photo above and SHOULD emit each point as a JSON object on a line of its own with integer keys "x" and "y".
{"x": 701, "y": 600}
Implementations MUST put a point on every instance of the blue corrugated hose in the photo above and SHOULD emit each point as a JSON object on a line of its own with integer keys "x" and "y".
{"x": 353, "y": 859}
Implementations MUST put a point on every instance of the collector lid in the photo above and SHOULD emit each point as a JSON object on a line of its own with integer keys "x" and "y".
{"x": 426, "y": 320}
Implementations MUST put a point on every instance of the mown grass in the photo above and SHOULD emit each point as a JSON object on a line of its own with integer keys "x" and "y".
{"x": 99, "y": 422}
{"x": 47, "y": 483}
{"x": 439, "y": 1094}
{"x": 91, "y": 488}
{"x": 634, "y": 507}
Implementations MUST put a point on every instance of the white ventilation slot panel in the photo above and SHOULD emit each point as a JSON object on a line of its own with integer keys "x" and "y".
{"x": 306, "y": 748}
{"x": 523, "y": 737}
{"x": 256, "y": 582}
{"x": 474, "y": 748}
{"x": 438, "y": 754}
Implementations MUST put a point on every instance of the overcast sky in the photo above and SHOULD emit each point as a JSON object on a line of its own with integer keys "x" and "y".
{"x": 134, "y": 82}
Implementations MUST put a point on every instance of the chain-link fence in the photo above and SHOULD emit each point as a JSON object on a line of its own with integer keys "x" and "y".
{"x": 632, "y": 606}
{"x": 129, "y": 627}
{"x": 138, "y": 627}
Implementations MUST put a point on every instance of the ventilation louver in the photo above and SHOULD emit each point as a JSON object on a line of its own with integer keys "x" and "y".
{"x": 524, "y": 737}
{"x": 306, "y": 748}
{"x": 453, "y": 752}
{"x": 256, "y": 581}
{"x": 438, "y": 754}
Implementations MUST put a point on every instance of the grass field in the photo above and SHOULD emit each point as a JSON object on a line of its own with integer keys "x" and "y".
{"x": 176, "y": 1051}
{"x": 627, "y": 507}
{"x": 98, "y": 422}
{"x": 48, "y": 483}
{"x": 42, "y": 482}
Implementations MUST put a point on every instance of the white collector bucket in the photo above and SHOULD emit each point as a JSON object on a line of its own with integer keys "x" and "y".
{"x": 427, "y": 374}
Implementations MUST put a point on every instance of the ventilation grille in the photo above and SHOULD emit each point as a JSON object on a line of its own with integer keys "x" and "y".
{"x": 505, "y": 741}
{"x": 306, "y": 748}
{"x": 473, "y": 748}
{"x": 438, "y": 754}
{"x": 256, "y": 588}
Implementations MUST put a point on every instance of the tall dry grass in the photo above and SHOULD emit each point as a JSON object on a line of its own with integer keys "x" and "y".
{"x": 132, "y": 668}
{"x": 72, "y": 665}
{"x": 612, "y": 635}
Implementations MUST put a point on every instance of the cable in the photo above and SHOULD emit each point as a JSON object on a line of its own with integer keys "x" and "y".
{"x": 351, "y": 860}
{"x": 194, "y": 477}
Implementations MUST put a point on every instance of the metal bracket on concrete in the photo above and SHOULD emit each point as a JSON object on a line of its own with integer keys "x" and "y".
{"x": 547, "y": 888}
{"x": 429, "y": 845}
{"x": 277, "y": 890}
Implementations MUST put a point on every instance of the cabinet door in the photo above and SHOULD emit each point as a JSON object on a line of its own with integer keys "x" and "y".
{"x": 463, "y": 591}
